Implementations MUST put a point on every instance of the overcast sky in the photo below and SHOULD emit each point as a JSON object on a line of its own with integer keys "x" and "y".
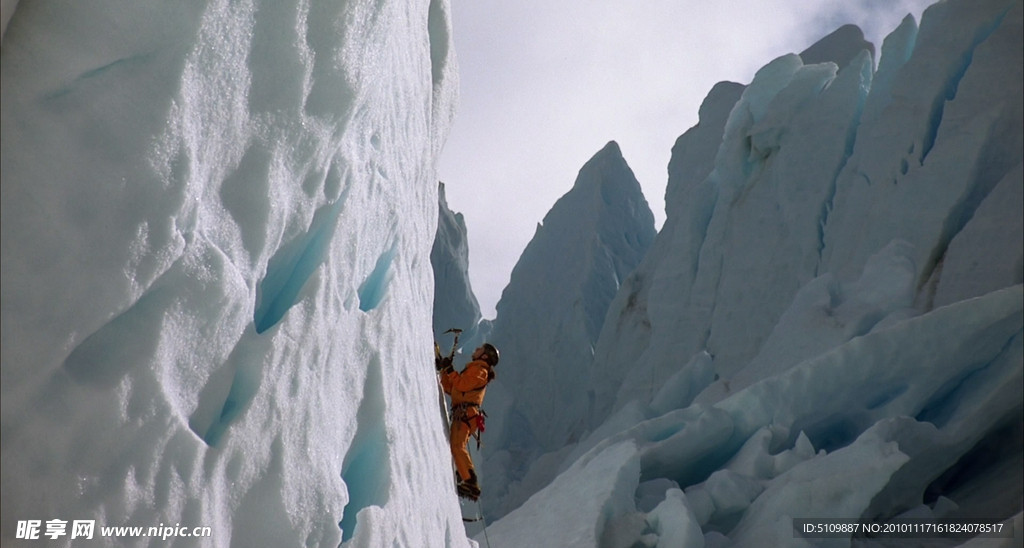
{"x": 545, "y": 84}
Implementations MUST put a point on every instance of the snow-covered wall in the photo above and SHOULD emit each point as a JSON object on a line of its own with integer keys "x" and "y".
{"x": 216, "y": 225}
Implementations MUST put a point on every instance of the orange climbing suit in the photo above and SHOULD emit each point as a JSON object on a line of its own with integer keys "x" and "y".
{"x": 467, "y": 391}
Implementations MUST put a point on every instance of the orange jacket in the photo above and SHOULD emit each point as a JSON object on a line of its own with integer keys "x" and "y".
{"x": 469, "y": 385}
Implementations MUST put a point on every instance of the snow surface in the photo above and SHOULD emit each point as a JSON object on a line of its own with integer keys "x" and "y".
{"x": 829, "y": 324}
{"x": 216, "y": 221}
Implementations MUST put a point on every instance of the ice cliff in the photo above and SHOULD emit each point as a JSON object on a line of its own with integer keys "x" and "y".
{"x": 216, "y": 225}
{"x": 553, "y": 309}
{"x": 455, "y": 305}
{"x": 829, "y": 324}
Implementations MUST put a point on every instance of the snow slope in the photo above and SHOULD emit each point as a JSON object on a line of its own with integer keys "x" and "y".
{"x": 830, "y": 323}
{"x": 216, "y": 221}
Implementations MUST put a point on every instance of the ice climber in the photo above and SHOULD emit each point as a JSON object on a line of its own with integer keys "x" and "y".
{"x": 467, "y": 391}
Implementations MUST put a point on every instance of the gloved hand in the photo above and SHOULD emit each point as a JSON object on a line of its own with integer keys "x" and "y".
{"x": 443, "y": 364}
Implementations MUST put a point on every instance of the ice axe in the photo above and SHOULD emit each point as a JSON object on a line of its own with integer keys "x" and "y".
{"x": 455, "y": 343}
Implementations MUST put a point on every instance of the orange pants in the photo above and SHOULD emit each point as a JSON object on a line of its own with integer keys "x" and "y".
{"x": 460, "y": 433}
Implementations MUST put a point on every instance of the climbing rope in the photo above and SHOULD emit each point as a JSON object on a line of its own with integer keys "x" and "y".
{"x": 487, "y": 540}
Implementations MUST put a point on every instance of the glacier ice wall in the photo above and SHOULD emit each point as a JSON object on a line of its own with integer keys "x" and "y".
{"x": 216, "y": 220}
{"x": 948, "y": 133}
{"x": 550, "y": 315}
{"x": 455, "y": 305}
{"x": 790, "y": 196}
{"x": 830, "y": 321}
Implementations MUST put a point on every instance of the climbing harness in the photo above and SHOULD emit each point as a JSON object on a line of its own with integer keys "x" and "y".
{"x": 477, "y": 423}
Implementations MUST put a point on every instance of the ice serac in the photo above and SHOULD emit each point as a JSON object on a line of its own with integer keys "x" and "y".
{"x": 646, "y": 315}
{"x": 896, "y": 49}
{"x": 948, "y": 134}
{"x": 455, "y": 305}
{"x": 216, "y": 222}
{"x": 996, "y": 230}
{"x": 775, "y": 171}
{"x": 746, "y": 233}
{"x": 831, "y": 321}
{"x": 551, "y": 313}
{"x": 840, "y": 47}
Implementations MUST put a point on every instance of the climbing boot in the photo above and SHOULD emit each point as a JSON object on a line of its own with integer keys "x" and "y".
{"x": 469, "y": 488}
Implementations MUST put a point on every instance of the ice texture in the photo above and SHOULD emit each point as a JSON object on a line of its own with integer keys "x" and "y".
{"x": 216, "y": 225}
